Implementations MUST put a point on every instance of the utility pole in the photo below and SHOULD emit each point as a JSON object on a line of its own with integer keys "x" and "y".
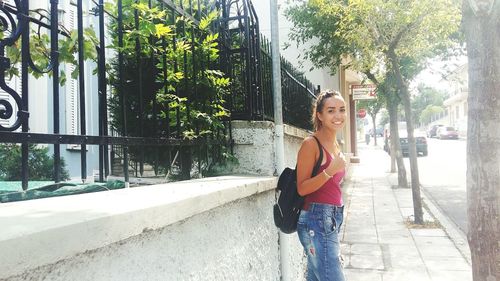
{"x": 284, "y": 240}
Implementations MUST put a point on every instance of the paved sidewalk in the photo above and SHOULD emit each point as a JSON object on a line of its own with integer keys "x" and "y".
{"x": 377, "y": 243}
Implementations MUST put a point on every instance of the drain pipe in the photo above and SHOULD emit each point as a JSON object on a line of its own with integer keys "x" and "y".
{"x": 284, "y": 240}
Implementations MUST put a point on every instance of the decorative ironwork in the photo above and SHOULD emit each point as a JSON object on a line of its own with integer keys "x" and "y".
{"x": 244, "y": 57}
{"x": 12, "y": 31}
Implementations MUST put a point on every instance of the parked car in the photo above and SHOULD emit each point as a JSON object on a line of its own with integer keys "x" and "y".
{"x": 447, "y": 133}
{"x": 421, "y": 144}
{"x": 432, "y": 130}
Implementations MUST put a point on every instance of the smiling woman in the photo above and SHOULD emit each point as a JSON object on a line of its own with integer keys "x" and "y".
{"x": 322, "y": 213}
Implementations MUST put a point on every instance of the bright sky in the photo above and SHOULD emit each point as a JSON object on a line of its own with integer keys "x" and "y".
{"x": 437, "y": 70}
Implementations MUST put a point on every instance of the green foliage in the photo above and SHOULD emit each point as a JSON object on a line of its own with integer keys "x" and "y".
{"x": 180, "y": 82}
{"x": 40, "y": 49}
{"x": 428, "y": 100}
{"x": 41, "y": 165}
{"x": 320, "y": 21}
{"x": 384, "y": 118}
{"x": 428, "y": 112}
{"x": 362, "y": 32}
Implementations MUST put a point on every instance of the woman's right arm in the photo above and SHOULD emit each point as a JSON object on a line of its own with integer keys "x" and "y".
{"x": 306, "y": 159}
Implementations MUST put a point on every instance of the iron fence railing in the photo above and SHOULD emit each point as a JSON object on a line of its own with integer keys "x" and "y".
{"x": 298, "y": 96}
{"x": 248, "y": 60}
{"x": 129, "y": 83}
{"x": 147, "y": 96}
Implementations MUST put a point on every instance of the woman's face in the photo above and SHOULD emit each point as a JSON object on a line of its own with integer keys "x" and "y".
{"x": 333, "y": 115}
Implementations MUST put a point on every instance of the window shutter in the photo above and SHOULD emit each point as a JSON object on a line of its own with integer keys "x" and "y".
{"x": 71, "y": 84}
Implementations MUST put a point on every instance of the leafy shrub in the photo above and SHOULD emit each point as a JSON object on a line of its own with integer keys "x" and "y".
{"x": 179, "y": 93}
{"x": 41, "y": 165}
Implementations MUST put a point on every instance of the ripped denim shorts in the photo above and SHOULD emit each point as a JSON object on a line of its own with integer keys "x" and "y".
{"x": 318, "y": 229}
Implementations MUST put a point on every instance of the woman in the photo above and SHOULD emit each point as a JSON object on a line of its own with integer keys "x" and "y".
{"x": 322, "y": 214}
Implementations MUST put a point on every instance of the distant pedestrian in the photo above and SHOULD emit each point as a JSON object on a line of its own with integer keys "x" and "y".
{"x": 323, "y": 210}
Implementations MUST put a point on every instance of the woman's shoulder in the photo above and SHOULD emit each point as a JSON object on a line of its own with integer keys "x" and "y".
{"x": 309, "y": 140}
{"x": 310, "y": 144}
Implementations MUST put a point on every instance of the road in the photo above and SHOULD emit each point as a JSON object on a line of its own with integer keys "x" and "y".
{"x": 443, "y": 178}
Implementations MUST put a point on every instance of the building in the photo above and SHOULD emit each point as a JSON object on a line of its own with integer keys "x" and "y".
{"x": 456, "y": 104}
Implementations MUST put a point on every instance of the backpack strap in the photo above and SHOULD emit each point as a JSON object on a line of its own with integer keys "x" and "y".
{"x": 320, "y": 159}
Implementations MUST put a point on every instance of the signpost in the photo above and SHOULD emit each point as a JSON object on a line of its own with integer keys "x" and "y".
{"x": 364, "y": 92}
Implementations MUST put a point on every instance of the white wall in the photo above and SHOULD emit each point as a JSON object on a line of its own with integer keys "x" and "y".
{"x": 236, "y": 241}
{"x": 211, "y": 229}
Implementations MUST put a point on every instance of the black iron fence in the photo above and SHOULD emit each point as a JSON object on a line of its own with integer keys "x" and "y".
{"x": 164, "y": 76}
{"x": 249, "y": 62}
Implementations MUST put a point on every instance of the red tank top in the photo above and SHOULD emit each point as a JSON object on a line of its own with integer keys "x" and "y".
{"x": 329, "y": 192}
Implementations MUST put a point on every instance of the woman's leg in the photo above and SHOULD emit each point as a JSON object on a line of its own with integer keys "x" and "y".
{"x": 304, "y": 231}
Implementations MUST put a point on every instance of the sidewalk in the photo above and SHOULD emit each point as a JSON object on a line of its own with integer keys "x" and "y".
{"x": 377, "y": 243}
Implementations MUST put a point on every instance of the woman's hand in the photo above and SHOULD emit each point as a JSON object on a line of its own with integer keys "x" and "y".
{"x": 337, "y": 164}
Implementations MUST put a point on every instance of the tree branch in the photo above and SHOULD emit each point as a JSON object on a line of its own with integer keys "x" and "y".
{"x": 407, "y": 28}
{"x": 371, "y": 76}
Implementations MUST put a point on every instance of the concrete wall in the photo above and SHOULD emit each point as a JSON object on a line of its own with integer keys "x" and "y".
{"x": 210, "y": 229}
{"x": 254, "y": 146}
{"x": 225, "y": 243}
{"x": 293, "y": 140}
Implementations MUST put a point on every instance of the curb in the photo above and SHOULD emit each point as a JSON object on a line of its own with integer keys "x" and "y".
{"x": 456, "y": 236}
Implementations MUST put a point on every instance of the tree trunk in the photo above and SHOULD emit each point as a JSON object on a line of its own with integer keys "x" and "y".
{"x": 395, "y": 147}
{"x": 483, "y": 141}
{"x": 412, "y": 146}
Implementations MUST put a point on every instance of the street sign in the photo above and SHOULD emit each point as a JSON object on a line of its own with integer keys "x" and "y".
{"x": 361, "y": 113}
{"x": 364, "y": 92}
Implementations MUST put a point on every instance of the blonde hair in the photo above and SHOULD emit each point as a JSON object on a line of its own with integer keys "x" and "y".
{"x": 320, "y": 103}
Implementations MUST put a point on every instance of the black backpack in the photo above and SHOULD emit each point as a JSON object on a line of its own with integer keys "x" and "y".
{"x": 287, "y": 208}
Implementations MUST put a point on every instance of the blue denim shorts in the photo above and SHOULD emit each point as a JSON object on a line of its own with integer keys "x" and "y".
{"x": 318, "y": 230}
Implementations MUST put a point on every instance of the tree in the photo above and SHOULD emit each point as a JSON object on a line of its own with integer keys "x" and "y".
{"x": 428, "y": 112}
{"x": 429, "y": 100}
{"x": 481, "y": 24}
{"x": 392, "y": 101}
{"x": 398, "y": 36}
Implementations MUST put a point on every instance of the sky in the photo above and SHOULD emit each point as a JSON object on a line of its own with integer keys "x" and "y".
{"x": 433, "y": 75}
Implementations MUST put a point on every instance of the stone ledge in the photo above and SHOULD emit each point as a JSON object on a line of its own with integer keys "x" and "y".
{"x": 45, "y": 231}
{"x": 296, "y": 132}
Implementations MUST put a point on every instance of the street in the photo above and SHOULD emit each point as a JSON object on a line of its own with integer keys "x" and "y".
{"x": 443, "y": 178}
